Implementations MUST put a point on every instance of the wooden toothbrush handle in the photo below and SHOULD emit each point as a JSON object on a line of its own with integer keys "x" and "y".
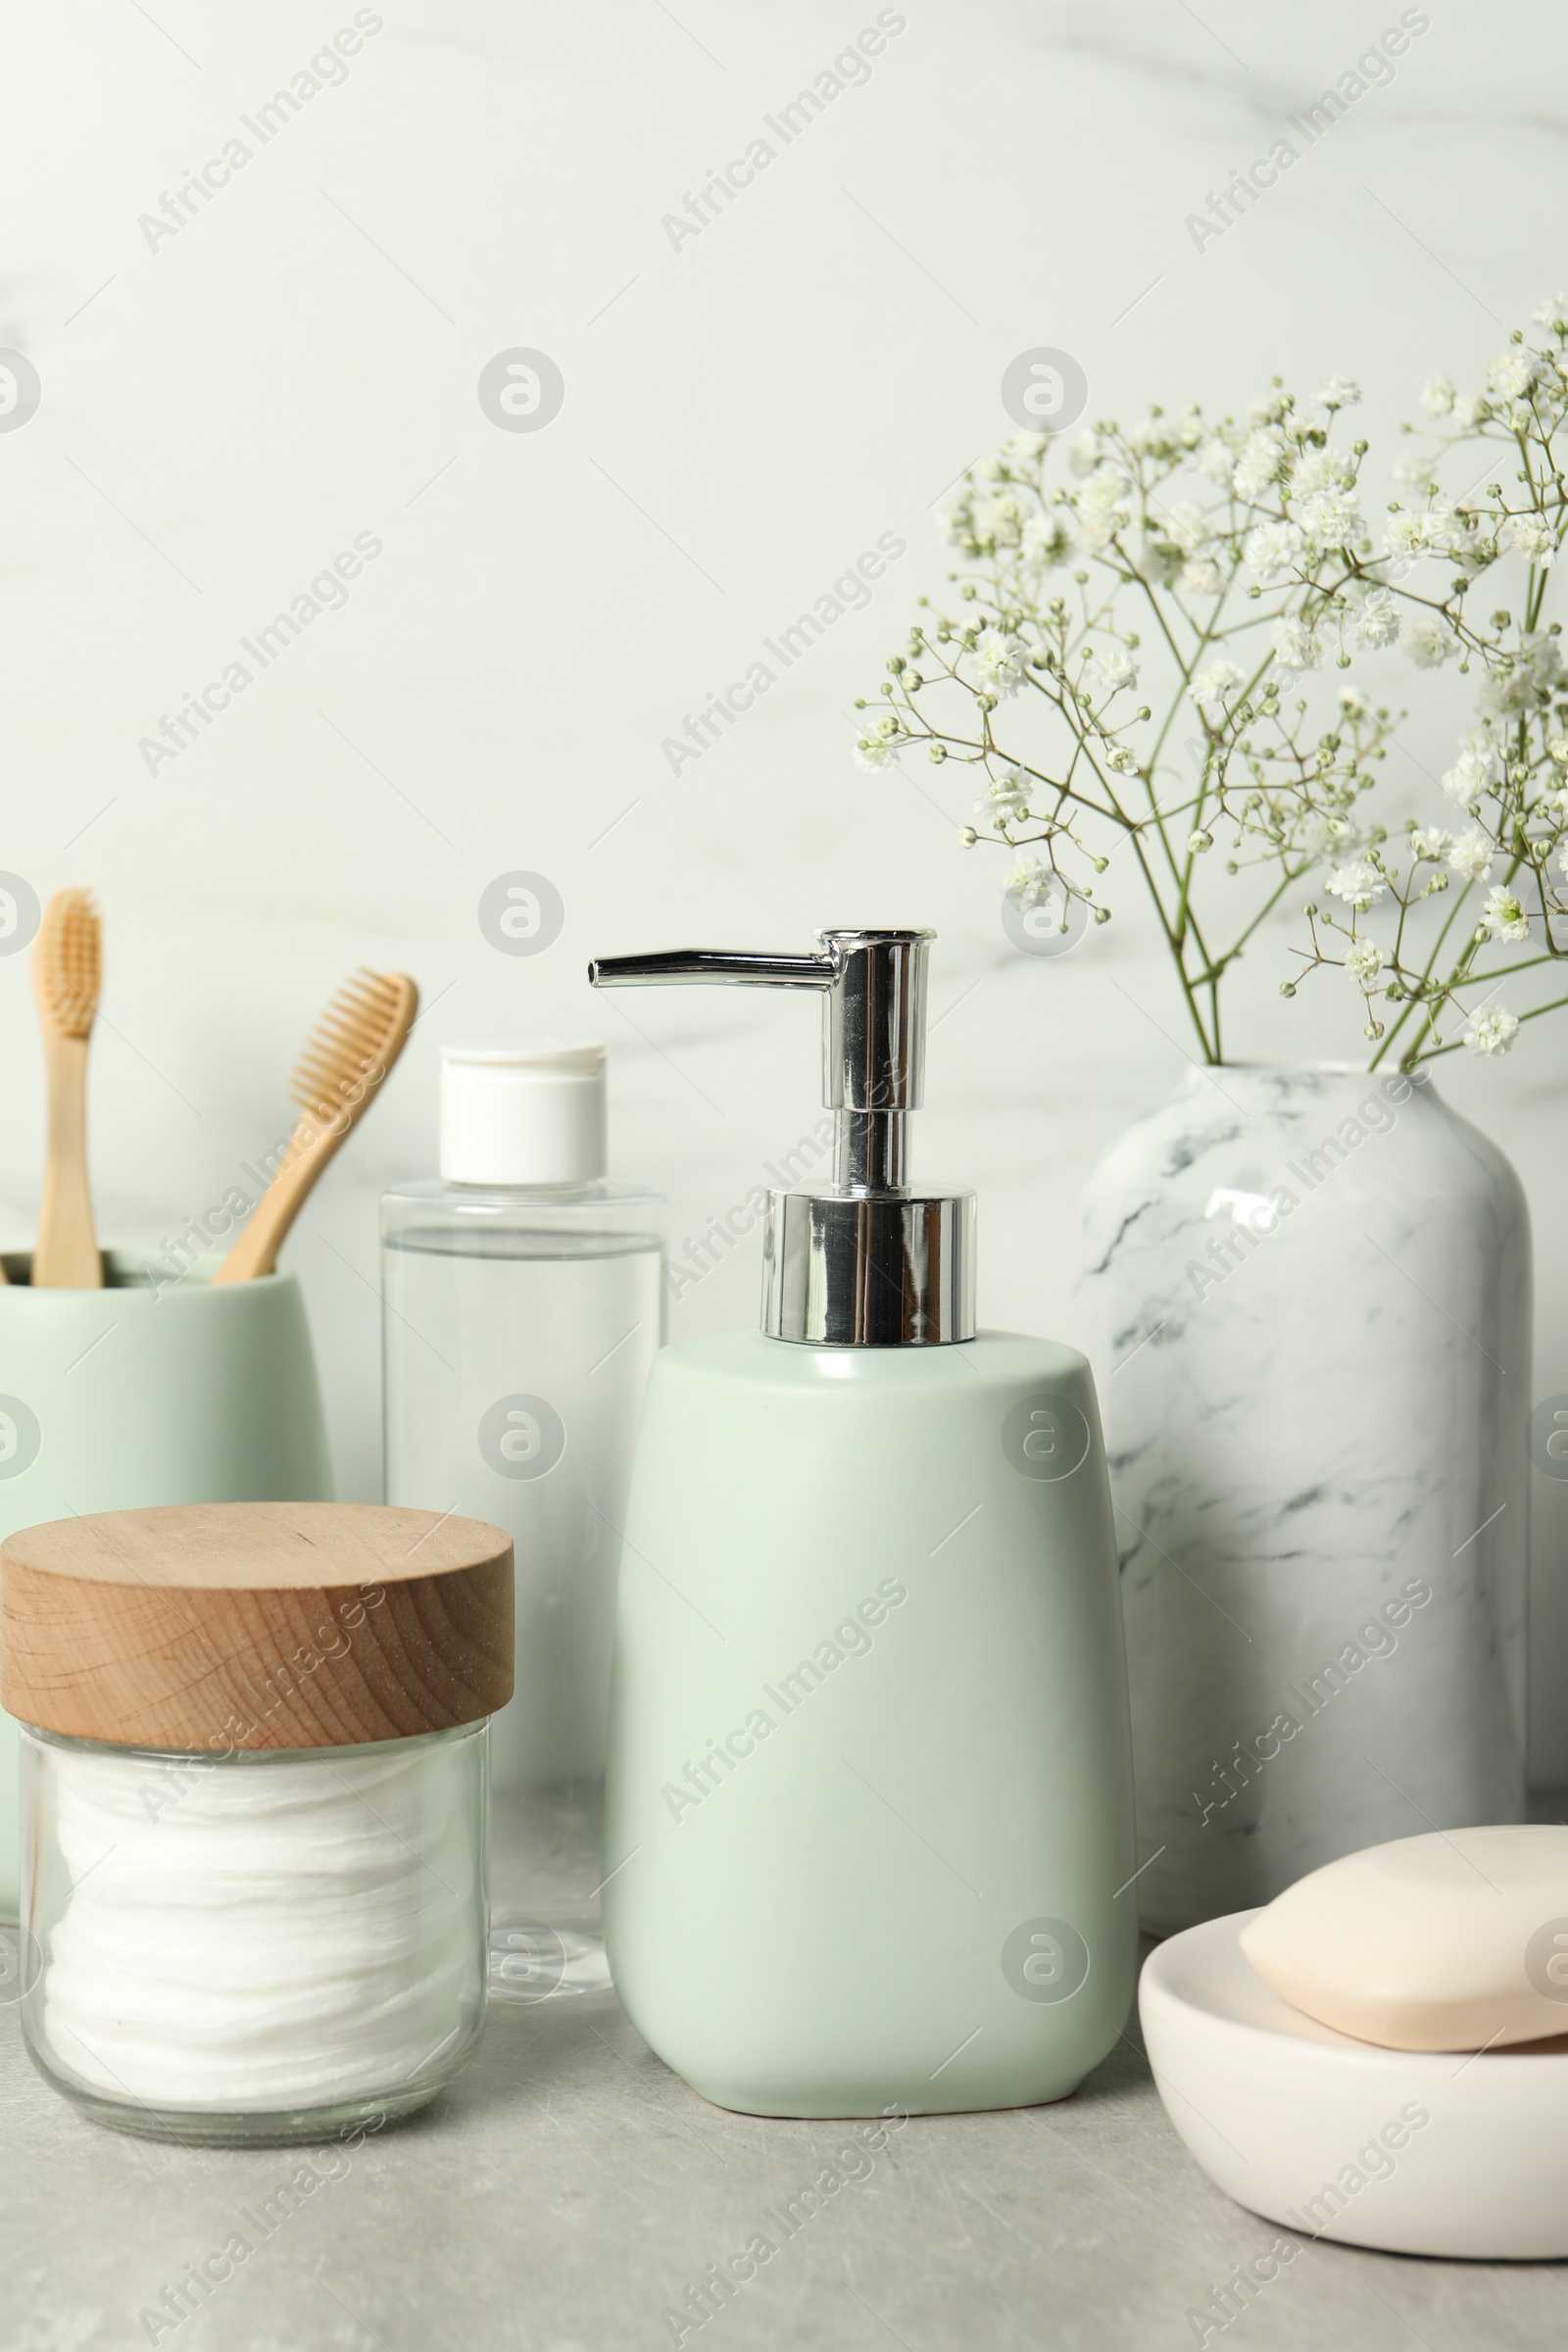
{"x": 66, "y": 1256}
{"x": 266, "y": 1227}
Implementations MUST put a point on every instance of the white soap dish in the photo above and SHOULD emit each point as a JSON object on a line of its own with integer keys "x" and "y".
{"x": 1417, "y": 2152}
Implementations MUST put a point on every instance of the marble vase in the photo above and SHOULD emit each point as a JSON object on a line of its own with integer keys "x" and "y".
{"x": 1312, "y": 1297}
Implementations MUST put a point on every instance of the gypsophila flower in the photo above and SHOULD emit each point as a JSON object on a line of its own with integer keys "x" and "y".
{"x": 1328, "y": 519}
{"x": 1470, "y": 855}
{"x": 1492, "y": 1032}
{"x": 1406, "y": 537}
{"x": 1296, "y": 646}
{"x": 1472, "y": 774}
{"x": 1202, "y": 576}
{"x": 1031, "y": 882}
{"x": 1271, "y": 548}
{"x": 999, "y": 657}
{"x": 1530, "y": 677}
{"x": 1428, "y": 641}
{"x": 1111, "y": 667}
{"x": 1375, "y": 620}
{"x": 1531, "y": 536}
{"x": 1327, "y": 835}
{"x": 1046, "y": 539}
{"x": 1359, "y": 884}
{"x": 1188, "y": 528}
{"x": 1469, "y": 543}
{"x": 1410, "y": 536}
{"x": 1005, "y": 798}
{"x": 878, "y": 746}
{"x": 1260, "y": 462}
{"x": 1213, "y": 684}
{"x": 1513, "y": 371}
{"x": 1317, "y": 469}
{"x": 1503, "y": 916}
{"x": 997, "y": 521}
{"x": 1102, "y": 508}
{"x": 1235, "y": 548}
{"x": 1542, "y": 652}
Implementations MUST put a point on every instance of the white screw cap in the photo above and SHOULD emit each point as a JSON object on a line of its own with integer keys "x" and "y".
{"x": 522, "y": 1113}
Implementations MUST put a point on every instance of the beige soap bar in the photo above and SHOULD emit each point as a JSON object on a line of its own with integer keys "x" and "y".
{"x": 1453, "y": 1941}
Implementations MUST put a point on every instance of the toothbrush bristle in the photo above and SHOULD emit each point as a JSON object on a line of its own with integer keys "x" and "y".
{"x": 70, "y": 960}
{"x": 357, "y": 1036}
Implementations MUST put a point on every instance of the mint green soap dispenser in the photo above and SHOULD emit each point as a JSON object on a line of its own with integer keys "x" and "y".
{"x": 868, "y": 1812}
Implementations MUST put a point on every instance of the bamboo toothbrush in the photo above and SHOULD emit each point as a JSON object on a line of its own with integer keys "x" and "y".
{"x": 67, "y": 966}
{"x": 347, "y": 1055}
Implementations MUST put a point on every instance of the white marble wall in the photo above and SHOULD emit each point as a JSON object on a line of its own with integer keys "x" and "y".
{"x": 224, "y": 412}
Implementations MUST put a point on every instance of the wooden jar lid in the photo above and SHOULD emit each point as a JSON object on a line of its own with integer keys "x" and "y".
{"x": 255, "y": 1625}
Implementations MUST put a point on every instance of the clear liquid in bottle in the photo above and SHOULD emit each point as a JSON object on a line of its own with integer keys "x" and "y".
{"x": 519, "y": 1322}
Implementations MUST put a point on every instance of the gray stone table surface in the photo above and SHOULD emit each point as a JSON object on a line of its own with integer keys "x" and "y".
{"x": 566, "y": 2191}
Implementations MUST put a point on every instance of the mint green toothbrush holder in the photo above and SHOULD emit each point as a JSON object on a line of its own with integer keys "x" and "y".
{"x": 149, "y": 1390}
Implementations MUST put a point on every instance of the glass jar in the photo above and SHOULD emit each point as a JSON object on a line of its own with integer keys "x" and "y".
{"x": 255, "y": 1743}
{"x": 253, "y": 1947}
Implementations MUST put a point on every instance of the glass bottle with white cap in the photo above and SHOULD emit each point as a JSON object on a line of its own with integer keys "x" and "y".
{"x": 523, "y": 1304}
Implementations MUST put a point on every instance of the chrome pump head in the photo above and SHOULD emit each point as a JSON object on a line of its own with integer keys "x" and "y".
{"x": 865, "y": 1261}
